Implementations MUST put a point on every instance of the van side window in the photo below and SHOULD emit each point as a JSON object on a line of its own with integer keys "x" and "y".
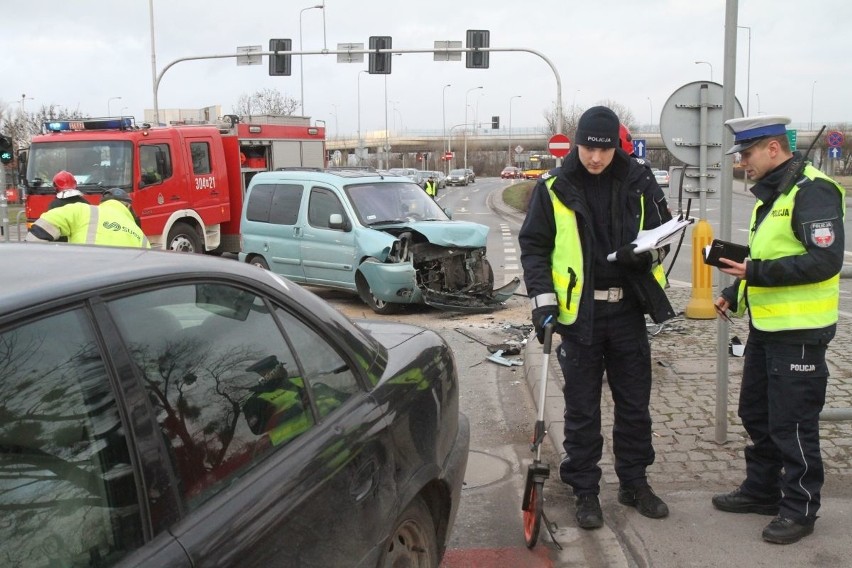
{"x": 322, "y": 204}
{"x": 278, "y": 204}
{"x": 200, "y": 152}
{"x": 67, "y": 485}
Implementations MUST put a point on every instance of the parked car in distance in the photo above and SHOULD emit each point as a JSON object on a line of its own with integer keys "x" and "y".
{"x": 166, "y": 409}
{"x": 383, "y": 238}
{"x": 511, "y": 172}
{"x": 533, "y": 173}
{"x": 458, "y": 177}
{"x": 662, "y": 177}
{"x": 471, "y": 177}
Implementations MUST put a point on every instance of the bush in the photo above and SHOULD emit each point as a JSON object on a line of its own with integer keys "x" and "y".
{"x": 518, "y": 195}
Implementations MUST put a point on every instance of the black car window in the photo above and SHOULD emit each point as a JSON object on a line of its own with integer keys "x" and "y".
{"x": 67, "y": 488}
{"x": 322, "y": 204}
{"x": 330, "y": 379}
{"x": 278, "y": 204}
{"x": 225, "y": 386}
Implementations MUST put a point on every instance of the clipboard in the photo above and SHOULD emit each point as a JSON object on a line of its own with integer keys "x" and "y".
{"x": 723, "y": 249}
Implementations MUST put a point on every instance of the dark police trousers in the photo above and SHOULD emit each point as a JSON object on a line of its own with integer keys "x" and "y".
{"x": 782, "y": 394}
{"x": 619, "y": 346}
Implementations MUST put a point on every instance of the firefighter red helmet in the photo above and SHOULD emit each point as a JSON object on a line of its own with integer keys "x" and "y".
{"x": 625, "y": 138}
{"x": 64, "y": 180}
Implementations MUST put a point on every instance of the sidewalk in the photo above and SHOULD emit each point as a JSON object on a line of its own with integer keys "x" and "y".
{"x": 691, "y": 466}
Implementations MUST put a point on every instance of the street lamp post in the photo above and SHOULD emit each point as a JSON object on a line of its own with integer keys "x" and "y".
{"x": 465, "y": 121}
{"x": 813, "y": 86}
{"x": 511, "y": 161}
{"x": 757, "y": 96}
{"x": 24, "y": 97}
{"x": 707, "y": 63}
{"x": 334, "y": 114}
{"x": 651, "y": 109}
{"x": 359, "y": 112}
{"x": 301, "y": 65}
{"x": 109, "y": 108}
{"x": 748, "y": 70}
{"x": 444, "y": 121}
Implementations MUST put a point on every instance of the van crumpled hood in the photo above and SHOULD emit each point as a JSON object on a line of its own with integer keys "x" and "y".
{"x": 447, "y": 233}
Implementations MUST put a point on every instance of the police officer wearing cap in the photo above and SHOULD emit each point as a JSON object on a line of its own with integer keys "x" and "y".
{"x": 790, "y": 287}
{"x": 111, "y": 223}
{"x": 592, "y": 205}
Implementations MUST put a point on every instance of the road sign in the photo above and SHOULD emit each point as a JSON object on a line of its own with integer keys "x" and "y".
{"x": 247, "y": 55}
{"x": 835, "y": 152}
{"x": 639, "y": 147}
{"x": 680, "y": 122}
{"x": 791, "y": 137}
{"x": 834, "y": 138}
{"x": 449, "y": 155}
{"x": 559, "y": 145}
{"x": 519, "y": 149}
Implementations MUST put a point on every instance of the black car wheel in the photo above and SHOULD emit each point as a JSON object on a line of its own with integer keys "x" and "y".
{"x": 413, "y": 542}
{"x": 258, "y": 261}
{"x": 184, "y": 238}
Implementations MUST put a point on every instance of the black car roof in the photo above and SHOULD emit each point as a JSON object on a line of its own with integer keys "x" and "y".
{"x": 35, "y": 274}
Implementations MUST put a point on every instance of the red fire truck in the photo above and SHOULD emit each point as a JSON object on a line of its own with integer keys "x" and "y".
{"x": 187, "y": 181}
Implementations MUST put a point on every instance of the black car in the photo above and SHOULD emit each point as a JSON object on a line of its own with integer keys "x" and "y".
{"x": 165, "y": 409}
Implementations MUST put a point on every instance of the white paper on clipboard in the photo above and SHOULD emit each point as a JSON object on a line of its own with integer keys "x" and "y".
{"x": 659, "y": 237}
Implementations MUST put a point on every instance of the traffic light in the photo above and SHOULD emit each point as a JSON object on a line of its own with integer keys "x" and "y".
{"x": 280, "y": 64}
{"x": 495, "y": 122}
{"x": 5, "y": 150}
{"x": 477, "y": 39}
{"x": 380, "y": 63}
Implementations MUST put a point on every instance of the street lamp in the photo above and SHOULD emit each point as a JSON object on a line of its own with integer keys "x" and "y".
{"x": 301, "y": 66}
{"x": 748, "y": 69}
{"x": 511, "y": 161}
{"x": 465, "y": 121}
{"x": 651, "y": 108}
{"x": 24, "y": 97}
{"x": 444, "y": 119}
{"x": 109, "y": 100}
{"x": 757, "y": 95}
{"x": 812, "y": 106}
{"x": 359, "y": 106}
{"x": 707, "y": 63}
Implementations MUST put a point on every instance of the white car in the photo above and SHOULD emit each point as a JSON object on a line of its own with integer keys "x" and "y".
{"x": 662, "y": 177}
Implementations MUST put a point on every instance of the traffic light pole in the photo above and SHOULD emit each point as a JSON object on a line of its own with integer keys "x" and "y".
{"x": 4, "y": 205}
{"x": 444, "y": 50}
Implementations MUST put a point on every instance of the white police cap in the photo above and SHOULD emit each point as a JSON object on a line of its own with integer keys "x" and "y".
{"x": 750, "y": 130}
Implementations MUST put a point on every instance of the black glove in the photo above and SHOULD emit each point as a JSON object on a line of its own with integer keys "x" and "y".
{"x": 539, "y": 318}
{"x": 630, "y": 260}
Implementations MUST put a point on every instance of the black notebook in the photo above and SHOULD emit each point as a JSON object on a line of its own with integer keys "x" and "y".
{"x": 723, "y": 249}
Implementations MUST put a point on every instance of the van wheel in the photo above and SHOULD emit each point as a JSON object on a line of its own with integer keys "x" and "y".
{"x": 184, "y": 238}
{"x": 258, "y": 261}
{"x": 379, "y": 306}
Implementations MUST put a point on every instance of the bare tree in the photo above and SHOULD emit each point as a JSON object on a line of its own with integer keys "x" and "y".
{"x": 571, "y": 115}
{"x": 265, "y": 101}
{"x": 22, "y": 126}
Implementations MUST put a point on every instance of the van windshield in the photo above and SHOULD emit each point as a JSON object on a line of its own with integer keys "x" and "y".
{"x": 392, "y": 202}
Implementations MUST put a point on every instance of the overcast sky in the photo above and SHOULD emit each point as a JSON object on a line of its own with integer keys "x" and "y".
{"x": 83, "y": 54}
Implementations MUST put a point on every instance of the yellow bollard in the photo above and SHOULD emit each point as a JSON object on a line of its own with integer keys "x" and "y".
{"x": 700, "y": 305}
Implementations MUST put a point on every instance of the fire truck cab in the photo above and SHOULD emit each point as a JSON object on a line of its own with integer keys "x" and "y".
{"x": 186, "y": 181}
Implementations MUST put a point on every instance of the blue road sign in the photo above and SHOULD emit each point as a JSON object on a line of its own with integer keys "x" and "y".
{"x": 639, "y": 147}
{"x": 835, "y": 152}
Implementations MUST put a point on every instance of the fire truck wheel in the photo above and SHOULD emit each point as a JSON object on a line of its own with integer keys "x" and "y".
{"x": 184, "y": 238}
{"x": 258, "y": 261}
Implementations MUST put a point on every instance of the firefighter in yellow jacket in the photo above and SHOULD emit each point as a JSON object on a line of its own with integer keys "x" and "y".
{"x": 790, "y": 286}
{"x": 111, "y": 223}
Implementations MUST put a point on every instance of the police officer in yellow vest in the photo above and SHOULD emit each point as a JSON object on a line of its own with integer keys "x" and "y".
{"x": 431, "y": 187}
{"x": 111, "y": 223}
{"x": 592, "y": 205}
{"x": 790, "y": 286}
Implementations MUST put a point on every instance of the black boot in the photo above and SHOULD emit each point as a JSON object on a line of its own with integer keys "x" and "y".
{"x": 738, "y": 502}
{"x": 786, "y": 531}
{"x": 589, "y": 514}
{"x": 644, "y": 499}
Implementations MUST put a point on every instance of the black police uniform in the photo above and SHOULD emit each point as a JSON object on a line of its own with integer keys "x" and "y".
{"x": 609, "y": 336}
{"x": 785, "y": 373}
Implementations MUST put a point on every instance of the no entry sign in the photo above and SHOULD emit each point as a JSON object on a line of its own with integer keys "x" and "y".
{"x": 559, "y": 145}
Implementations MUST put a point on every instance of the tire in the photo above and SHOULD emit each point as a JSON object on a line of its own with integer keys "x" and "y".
{"x": 184, "y": 238}
{"x": 380, "y": 306}
{"x": 532, "y": 516}
{"x": 258, "y": 261}
{"x": 413, "y": 542}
